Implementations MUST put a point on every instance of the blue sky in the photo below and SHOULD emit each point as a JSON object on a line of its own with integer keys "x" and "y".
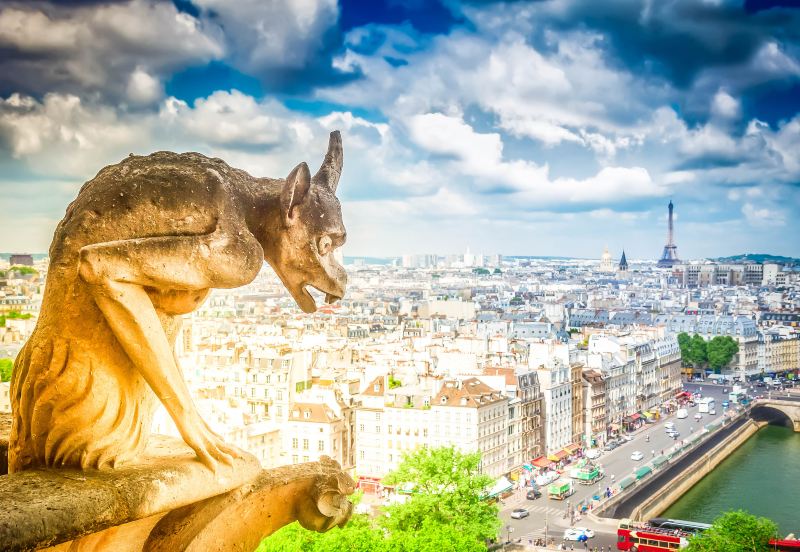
{"x": 530, "y": 128}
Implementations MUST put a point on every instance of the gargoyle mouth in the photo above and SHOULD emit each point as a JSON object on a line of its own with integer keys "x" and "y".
{"x": 309, "y": 304}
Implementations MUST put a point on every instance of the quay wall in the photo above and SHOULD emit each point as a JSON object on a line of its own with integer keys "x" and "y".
{"x": 654, "y": 494}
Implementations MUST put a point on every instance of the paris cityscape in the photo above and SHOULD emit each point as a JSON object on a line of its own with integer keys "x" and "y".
{"x": 571, "y": 317}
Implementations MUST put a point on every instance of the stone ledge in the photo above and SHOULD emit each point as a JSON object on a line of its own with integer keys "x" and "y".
{"x": 42, "y": 507}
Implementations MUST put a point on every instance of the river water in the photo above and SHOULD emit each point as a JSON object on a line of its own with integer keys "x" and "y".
{"x": 762, "y": 476}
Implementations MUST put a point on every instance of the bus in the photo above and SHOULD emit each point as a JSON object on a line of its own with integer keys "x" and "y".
{"x": 706, "y": 405}
{"x": 785, "y": 545}
{"x": 643, "y": 537}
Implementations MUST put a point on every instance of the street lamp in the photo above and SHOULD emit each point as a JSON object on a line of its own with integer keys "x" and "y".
{"x": 509, "y": 530}
{"x": 545, "y": 527}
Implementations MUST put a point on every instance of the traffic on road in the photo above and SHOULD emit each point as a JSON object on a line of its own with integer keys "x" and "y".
{"x": 560, "y": 520}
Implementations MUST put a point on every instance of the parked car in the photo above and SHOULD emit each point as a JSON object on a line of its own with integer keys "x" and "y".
{"x": 698, "y": 416}
{"x": 611, "y": 445}
{"x": 626, "y": 438}
{"x": 712, "y": 412}
{"x": 637, "y": 455}
{"x": 591, "y": 454}
{"x": 533, "y": 494}
{"x": 669, "y": 425}
{"x": 682, "y": 413}
{"x": 574, "y": 533}
{"x": 725, "y": 404}
{"x": 519, "y": 513}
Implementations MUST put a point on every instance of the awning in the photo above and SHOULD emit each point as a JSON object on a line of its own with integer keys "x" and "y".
{"x": 626, "y": 482}
{"x": 683, "y": 394}
{"x": 500, "y": 486}
{"x": 643, "y": 471}
{"x": 560, "y": 455}
{"x": 635, "y": 416}
{"x": 527, "y": 467}
{"x": 572, "y": 449}
{"x": 648, "y": 414}
{"x": 543, "y": 462}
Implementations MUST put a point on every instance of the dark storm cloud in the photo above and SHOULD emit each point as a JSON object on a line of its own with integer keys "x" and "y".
{"x": 680, "y": 39}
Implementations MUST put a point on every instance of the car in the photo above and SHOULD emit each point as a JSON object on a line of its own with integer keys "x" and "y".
{"x": 591, "y": 454}
{"x": 682, "y": 413}
{"x": 611, "y": 445}
{"x": 712, "y": 412}
{"x": 761, "y": 384}
{"x": 637, "y": 455}
{"x": 725, "y": 404}
{"x": 519, "y": 513}
{"x": 669, "y": 425}
{"x": 575, "y": 533}
{"x": 533, "y": 494}
{"x": 698, "y": 416}
{"x": 626, "y": 438}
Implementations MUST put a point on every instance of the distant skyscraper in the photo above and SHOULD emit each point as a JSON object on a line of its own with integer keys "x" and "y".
{"x": 669, "y": 257}
{"x": 623, "y": 263}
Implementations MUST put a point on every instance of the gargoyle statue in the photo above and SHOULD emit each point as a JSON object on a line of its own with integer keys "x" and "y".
{"x": 141, "y": 245}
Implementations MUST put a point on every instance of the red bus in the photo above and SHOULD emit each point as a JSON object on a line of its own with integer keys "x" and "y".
{"x": 643, "y": 537}
{"x": 785, "y": 545}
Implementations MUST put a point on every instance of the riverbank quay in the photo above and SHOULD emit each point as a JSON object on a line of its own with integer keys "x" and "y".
{"x": 654, "y": 487}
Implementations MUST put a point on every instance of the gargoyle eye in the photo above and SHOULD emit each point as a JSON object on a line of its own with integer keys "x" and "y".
{"x": 325, "y": 245}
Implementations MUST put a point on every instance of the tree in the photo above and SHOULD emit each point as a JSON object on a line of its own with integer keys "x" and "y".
{"x": 684, "y": 342}
{"x": 736, "y": 531}
{"x": 697, "y": 351}
{"x": 6, "y": 367}
{"x": 448, "y": 489}
{"x": 433, "y": 537}
{"x": 721, "y": 351}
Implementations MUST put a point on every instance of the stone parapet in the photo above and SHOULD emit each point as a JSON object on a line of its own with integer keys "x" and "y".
{"x": 166, "y": 501}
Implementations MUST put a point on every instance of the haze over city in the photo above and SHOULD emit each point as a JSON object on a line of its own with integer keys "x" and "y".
{"x": 544, "y": 128}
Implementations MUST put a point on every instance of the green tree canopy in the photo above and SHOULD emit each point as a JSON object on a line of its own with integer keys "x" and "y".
{"x": 448, "y": 488}
{"x": 735, "y": 531}
{"x": 684, "y": 342}
{"x": 721, "y": 350}
{"x": 6, "y": 367}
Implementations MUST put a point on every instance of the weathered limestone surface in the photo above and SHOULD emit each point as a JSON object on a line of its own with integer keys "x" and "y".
{"x": 142, "y": 244}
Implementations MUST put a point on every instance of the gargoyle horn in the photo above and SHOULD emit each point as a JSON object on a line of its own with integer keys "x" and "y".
{"x": 328, "y": 173}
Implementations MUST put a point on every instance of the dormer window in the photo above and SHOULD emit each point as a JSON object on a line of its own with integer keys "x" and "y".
{"x": 377, "y": 387}
{"x": 444, "y": 400}
{"x": 306, "y": 414}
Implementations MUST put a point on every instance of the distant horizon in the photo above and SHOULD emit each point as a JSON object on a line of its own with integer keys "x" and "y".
{"x": 350, "y": 258}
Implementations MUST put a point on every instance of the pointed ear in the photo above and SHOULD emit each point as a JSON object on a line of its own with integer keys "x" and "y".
{"x": 295, "y": 190}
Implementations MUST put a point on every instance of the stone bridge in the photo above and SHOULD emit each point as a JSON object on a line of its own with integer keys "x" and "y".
{"x": 783, "y": 410}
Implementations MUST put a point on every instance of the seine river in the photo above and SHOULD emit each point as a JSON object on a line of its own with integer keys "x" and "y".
{"x": 762, "y": 476}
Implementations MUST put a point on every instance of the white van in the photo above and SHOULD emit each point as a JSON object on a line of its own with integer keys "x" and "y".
{"x": 682, "y": 413}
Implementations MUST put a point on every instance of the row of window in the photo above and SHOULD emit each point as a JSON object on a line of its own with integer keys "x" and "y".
{"x": 295, "y": 444}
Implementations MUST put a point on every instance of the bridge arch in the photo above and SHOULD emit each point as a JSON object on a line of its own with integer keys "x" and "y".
{"x": 777, "y": 412}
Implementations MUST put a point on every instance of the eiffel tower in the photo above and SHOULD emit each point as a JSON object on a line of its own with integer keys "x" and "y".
{"x": 669, "y": 257}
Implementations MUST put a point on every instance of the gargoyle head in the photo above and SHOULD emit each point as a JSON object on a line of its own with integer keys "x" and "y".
{"x": 313, "y": 229}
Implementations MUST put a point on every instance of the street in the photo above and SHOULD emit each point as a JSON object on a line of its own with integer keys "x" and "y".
{"x": 617, "y": 463}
